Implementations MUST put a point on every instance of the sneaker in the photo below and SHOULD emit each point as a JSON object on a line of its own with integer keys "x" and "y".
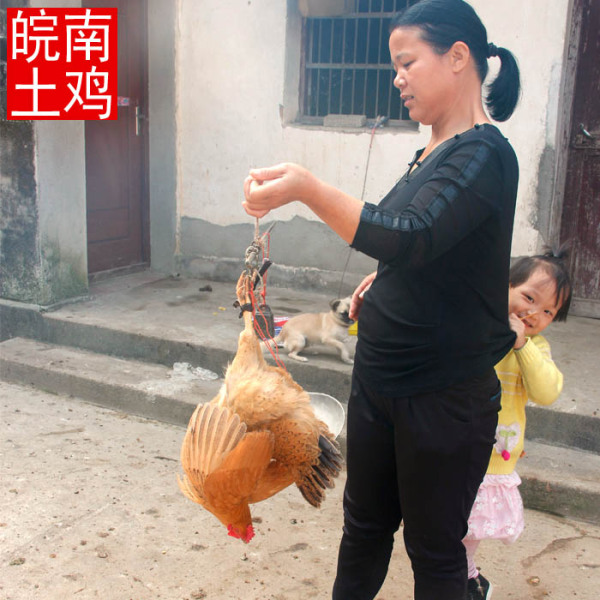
{"x": 479, "y": 588}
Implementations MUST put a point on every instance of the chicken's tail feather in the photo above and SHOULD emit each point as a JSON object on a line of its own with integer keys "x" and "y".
{"x": 312, "y": 493}
{"x": 322, "y": 474}
{"x": 330, "y": 453}
{"x": 330, "y": 459}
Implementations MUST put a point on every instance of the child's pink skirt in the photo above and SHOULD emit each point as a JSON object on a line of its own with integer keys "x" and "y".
{"x": 498, "y": 509}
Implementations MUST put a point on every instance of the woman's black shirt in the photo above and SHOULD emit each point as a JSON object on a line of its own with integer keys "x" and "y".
{"x": 437, "y": 312}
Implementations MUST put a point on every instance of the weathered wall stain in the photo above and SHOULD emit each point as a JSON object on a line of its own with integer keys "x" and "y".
{"x": 19, "y": 252}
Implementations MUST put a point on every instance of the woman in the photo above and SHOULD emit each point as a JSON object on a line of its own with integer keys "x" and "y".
{"x": 433, "y": 318}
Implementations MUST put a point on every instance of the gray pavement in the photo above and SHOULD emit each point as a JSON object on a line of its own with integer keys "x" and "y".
{"x": 150, "y": 305}
{"x": 89, "y": 508}
{"x": 174, "y": 308}
{"x": 119, "y": 349}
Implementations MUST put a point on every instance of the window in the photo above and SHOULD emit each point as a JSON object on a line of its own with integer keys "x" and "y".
{"x": 347, "y": 68}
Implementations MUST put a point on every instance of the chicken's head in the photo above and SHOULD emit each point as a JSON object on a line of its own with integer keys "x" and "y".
{"x": 243, "y": 532}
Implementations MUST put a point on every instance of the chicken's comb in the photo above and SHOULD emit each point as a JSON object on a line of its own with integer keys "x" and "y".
{"x": 249, "y": 533}
{"x": 234, "y": 532}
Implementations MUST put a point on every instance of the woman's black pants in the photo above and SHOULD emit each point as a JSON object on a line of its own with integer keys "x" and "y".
{"x": 417, "y": 459}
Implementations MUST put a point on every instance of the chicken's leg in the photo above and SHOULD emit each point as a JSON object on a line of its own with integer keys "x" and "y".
{"x": 248, "y": 346}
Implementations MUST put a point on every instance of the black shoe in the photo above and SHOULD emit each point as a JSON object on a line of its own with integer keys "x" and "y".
{"x": 479, "y": 588}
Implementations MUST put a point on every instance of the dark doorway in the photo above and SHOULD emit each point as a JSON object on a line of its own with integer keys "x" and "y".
{"x": 116, "y": 155}
{"x": 581, "y": 207}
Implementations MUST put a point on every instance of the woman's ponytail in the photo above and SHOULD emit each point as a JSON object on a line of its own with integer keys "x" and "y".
{"x": 504, "y": 92}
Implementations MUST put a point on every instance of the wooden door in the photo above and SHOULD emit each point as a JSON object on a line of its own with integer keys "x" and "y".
{"x": 116, "y": 155}
{"x": 581, "y": 207}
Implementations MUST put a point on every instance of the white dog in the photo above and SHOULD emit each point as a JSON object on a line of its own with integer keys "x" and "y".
{"x": 328, "y": 328}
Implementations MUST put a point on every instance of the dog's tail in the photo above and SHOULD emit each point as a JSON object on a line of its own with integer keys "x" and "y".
{"x": 270, "y": 344}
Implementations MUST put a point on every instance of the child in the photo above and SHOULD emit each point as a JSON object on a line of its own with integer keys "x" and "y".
{"x": 539, "y": 293}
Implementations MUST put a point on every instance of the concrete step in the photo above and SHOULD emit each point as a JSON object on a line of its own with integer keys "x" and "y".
{"x": 166, "y": 321}
{"x": 557, "y": 480}
{"x": 148, "y": 390}
{"x": 561, "y": 481}
{"x": 209, "y": 342}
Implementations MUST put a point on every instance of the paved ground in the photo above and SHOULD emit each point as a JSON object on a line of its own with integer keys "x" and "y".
{"x": 181, "y": 309}
{"x": 89, "y": 508}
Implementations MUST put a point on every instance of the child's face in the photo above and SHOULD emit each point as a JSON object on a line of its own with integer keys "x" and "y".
{"x": 534, "y": 301}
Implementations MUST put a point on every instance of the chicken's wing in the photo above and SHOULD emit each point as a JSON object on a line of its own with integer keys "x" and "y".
{"x": 256, "y": 437}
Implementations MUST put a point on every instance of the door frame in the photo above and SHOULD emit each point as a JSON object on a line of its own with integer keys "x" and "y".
{"x": 162, "y": 133}
{"x": 145, "y": 130}
{"x": 573, "y": 36}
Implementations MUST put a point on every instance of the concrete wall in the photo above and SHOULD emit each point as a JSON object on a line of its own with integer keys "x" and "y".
{"x": 223, "y": 97}
{"x": 535, "y": 31}
{"x": 60, "y": 174}
{"x": 19, "y": 254}
{"x": 237, "y": 94}
{"x": 162, "y": 175}
{"x": 43, "y": 236}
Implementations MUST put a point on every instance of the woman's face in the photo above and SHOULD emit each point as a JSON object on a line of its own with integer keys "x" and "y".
{"x": 423, "y": 77}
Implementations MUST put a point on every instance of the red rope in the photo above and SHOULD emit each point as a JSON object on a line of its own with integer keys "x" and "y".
{"x": 264, "y": 336}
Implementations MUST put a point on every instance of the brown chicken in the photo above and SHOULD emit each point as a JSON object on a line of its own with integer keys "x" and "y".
{"x": 255, "y": 438}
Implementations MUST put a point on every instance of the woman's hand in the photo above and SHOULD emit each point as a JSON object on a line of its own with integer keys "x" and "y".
{"x": 358, "y": 295}
{"x": 265, "y": 189}
{"x": 518, "y": 327}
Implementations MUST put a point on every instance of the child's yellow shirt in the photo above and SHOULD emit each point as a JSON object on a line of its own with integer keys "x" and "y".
{"x": 525, "y": 374}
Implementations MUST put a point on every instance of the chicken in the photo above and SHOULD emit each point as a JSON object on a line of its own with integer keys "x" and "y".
{"x": 255, "y": 438}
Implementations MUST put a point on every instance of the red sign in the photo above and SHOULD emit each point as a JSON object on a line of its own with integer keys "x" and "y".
{"x": 61, "y": 63}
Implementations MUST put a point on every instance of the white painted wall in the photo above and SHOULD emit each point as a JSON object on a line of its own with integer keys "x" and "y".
{"x": 535, "y": 32}
{"x": 231, "y": 88}
{"x": 230, "y": 84}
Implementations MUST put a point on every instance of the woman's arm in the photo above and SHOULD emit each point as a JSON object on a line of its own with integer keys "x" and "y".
{"x": 461, "y": 193}
{"x": 276, "y": 186}
{"x": 464, "y": 190}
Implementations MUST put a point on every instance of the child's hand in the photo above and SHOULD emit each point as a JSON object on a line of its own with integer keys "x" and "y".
{"x": 519, "y": 328}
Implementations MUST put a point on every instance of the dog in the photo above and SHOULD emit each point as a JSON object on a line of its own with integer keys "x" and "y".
{"x": 327, "y": 328}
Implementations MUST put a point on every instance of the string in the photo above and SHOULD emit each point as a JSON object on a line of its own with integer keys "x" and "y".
{"x": 379, "y": 122}
{"x": 267, "y": 235}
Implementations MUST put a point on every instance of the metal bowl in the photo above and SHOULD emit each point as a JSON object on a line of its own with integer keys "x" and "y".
{"x": 329, "y": 410}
